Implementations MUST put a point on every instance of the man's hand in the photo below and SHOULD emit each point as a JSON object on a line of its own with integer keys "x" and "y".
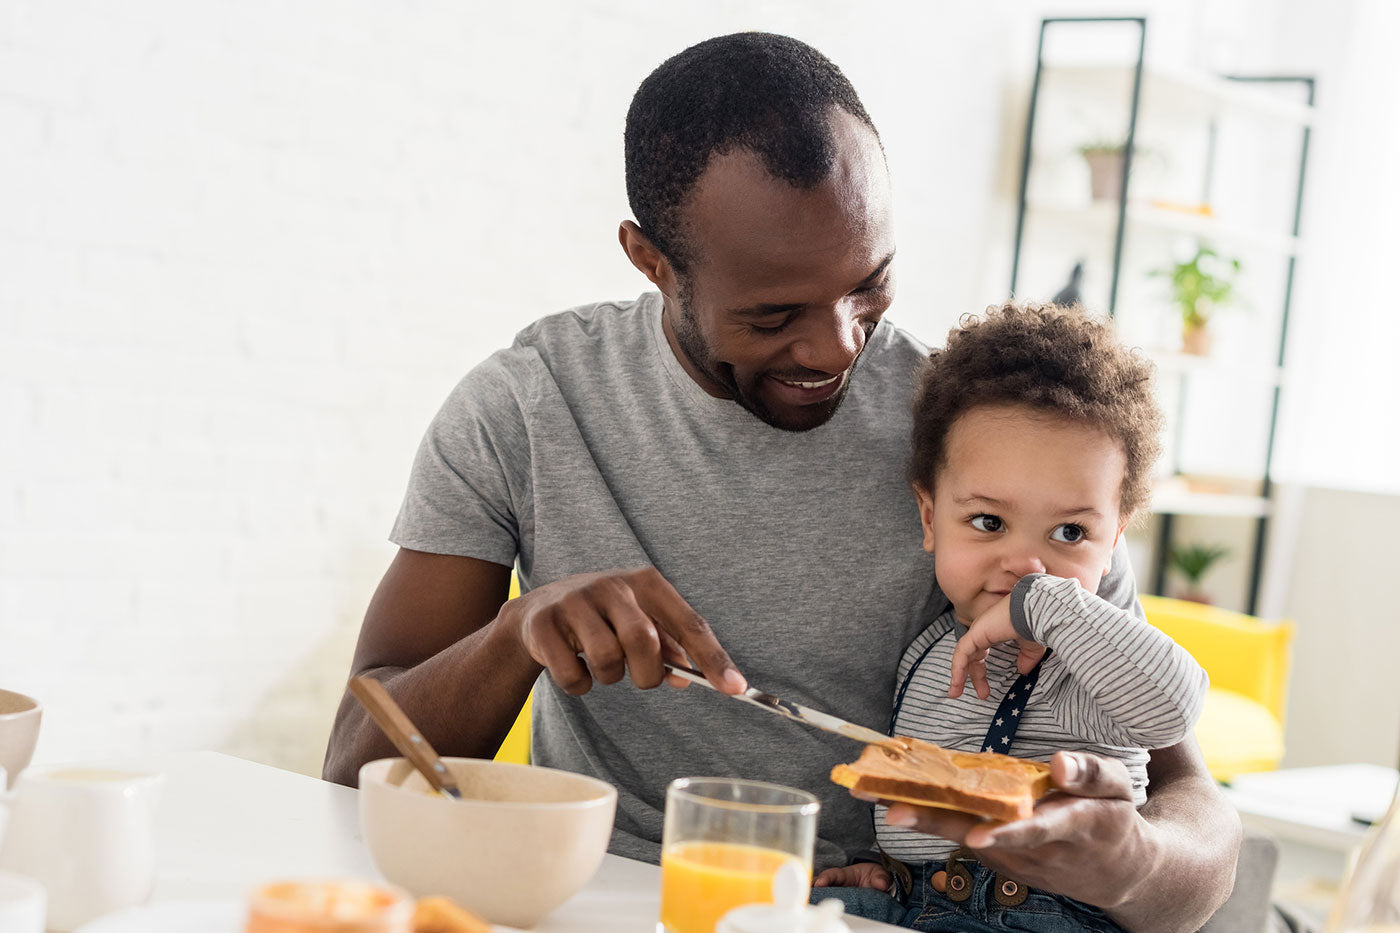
{"x": 859, "y": 875}
{"x": 1087, "y": 842}
{"x": 602, "y": 626}
{"x": 970, "y": 656}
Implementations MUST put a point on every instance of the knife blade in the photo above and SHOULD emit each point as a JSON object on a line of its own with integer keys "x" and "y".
{"x": 794, "y": 711}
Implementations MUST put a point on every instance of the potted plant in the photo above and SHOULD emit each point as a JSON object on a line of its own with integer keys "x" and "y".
{"x": 1199, "y": 286}
{"x": 1105, "y": 160}
{"x": 1192, "y": 561}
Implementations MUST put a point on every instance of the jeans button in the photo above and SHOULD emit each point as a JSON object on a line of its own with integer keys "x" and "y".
{"x": 1009, "y": 893}
{"x": 959, "y": 882}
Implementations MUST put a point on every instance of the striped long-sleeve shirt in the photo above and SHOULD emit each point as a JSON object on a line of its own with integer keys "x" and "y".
{"x": 1113, "y": 685}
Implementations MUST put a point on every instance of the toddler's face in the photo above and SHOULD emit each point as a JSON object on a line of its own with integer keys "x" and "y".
{"x": 1021, "y": 492}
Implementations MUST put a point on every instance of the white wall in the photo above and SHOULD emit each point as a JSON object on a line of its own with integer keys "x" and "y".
{"x": 246, "y": 248}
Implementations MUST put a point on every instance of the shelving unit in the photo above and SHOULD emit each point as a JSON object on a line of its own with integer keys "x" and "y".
{"x": 1201, "y": 108}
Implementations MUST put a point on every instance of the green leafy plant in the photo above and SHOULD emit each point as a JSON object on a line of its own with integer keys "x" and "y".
{"x": 1201, "y": 284}
{"x": 1193, "y": 560}
{"x": 1101, "y": 146}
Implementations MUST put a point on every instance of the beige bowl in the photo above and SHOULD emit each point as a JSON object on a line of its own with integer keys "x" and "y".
{"x": 520, "y": 842}
{"x": 19, "y": 732}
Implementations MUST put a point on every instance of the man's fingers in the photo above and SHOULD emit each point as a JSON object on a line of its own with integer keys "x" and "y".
{"x": 659, "y": 599}
{"x": 600, "y": 647}
{"x": 1085, "y": 781}
{"x": 949, "y": 824}
{"x": 671, "y": 651}
{"x": 1086, "y": 775}
{"x": 639, "y": 638}
{"x": 551, "y": 648}
{"x": 1029, "y": 833}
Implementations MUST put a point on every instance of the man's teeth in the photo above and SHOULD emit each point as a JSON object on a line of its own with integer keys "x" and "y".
{"x": 811, "y": 385}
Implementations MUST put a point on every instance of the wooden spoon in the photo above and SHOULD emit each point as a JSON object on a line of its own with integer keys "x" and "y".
{"x": 404, "y": 734}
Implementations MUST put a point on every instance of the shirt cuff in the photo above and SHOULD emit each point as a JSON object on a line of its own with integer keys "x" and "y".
{"x": 1019, "y": 622}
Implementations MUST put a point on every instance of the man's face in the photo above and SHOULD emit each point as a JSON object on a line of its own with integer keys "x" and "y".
{"x": 787, "y": 284}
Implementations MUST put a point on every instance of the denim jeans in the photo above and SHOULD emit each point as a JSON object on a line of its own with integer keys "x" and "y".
{"x": 928, "y": 910}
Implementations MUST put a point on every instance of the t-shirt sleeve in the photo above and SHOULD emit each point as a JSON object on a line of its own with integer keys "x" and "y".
{"x": 1119, "y": 586}
{"x": 469, "y": 488}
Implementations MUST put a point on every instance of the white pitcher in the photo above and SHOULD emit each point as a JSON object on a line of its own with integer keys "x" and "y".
{"x": 87, "y": 835}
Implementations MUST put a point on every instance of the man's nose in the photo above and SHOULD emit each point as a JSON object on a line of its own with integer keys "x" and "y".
{"x": 832, "y": 342}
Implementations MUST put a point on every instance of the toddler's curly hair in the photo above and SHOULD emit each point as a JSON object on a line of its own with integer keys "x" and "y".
{"x": 1049, "y": 358}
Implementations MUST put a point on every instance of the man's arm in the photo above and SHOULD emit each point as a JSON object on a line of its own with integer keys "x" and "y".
{"x": 1199, "y": 842}
{"x": 460, "y": 659}
{"x": 427, "y": 637}
{"x": 1166, "y": 867}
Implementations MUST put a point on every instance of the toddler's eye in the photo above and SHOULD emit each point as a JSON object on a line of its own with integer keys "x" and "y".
{"x": 986, "y": 523}
{"x": 1068, "y": 533}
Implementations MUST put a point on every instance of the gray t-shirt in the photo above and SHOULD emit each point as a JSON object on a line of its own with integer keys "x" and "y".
{"x": 585, "y": 446}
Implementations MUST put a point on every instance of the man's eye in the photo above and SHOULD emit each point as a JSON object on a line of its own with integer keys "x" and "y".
{"x": 1068, "y": 533}
{"x": 775, "y": 329}
{"x": 986, "y": 523}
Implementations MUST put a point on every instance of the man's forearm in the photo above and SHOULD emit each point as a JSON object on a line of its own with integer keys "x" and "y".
{"x": 464, "y": 699}
{"x": 1191, "y": 842}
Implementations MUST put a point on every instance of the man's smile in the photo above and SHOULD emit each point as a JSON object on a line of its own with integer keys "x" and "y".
{"x": 808, "y": 392}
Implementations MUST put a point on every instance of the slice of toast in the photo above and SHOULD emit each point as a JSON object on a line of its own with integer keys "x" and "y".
{"x": 997, "y": 787}
{"x": 443, "y": 915}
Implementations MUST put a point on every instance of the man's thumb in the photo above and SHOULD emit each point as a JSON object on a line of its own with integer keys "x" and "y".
{"x": 1090, "y": 776}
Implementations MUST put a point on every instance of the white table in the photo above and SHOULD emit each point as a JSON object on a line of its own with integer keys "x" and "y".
{"x": 226, "y": 825}
{"x": 1309, "y": 812}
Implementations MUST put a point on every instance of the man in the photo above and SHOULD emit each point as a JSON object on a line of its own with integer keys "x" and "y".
{"x": 653, "y": 517}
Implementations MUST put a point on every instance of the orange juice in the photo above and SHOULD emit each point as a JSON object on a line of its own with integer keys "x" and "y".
{"x": 703, "y": 881}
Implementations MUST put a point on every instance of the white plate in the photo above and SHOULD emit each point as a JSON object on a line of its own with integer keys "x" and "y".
{"x": 174, "y": 917}
{"x": 184, "y": 917}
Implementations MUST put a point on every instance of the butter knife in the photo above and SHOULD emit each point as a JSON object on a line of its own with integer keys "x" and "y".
{"x": 796, "y": 712}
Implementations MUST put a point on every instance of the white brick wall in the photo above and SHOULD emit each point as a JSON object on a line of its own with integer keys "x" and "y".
{"x": 247, "y": 247}
{"x": 245, "y": 250}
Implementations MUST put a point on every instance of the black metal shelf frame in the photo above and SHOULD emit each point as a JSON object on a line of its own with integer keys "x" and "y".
{"x": 1166, "y": 520}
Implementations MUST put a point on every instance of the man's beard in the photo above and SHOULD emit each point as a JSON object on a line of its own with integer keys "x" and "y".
{"x": 807, "y": 417}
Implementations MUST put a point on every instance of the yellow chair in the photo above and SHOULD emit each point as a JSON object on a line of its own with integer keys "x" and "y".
{"x": 516, "y": 747}
{"x": 1248, "y": 660}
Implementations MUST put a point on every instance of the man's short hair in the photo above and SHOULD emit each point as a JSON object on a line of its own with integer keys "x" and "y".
{"x": 767, "y": 93}
{"x": 1048, "y": 358}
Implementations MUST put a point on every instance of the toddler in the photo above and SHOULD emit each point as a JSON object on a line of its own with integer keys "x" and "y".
{"x": 1034, "y": 437}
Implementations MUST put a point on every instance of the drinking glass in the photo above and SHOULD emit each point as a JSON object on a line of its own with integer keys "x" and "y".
{"x": 87, "y": 835}
{"x": 723, "y": 841}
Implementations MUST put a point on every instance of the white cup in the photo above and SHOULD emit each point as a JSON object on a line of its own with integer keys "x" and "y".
{"x": 87, "y": 835}
{"x": 19, "y": 731}
{"x": 21, "y": 904}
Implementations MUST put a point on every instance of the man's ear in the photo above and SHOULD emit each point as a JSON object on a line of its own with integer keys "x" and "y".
{"x": 648, "y": 259}
{"x": 925, "y": 514}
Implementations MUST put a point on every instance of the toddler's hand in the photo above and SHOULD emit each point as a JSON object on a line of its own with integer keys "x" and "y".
{"x": 970, "y": 656}
{"x": 859, "y": 875}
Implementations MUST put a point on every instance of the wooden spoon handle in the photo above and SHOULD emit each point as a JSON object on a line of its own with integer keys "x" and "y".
{"x": 403, "y": 733}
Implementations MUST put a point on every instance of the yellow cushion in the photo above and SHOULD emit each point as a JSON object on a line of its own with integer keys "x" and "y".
{"x": 516, "y": 747}
{"x": 1238, "y": 651}
{"x": 1238, "y": 735}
